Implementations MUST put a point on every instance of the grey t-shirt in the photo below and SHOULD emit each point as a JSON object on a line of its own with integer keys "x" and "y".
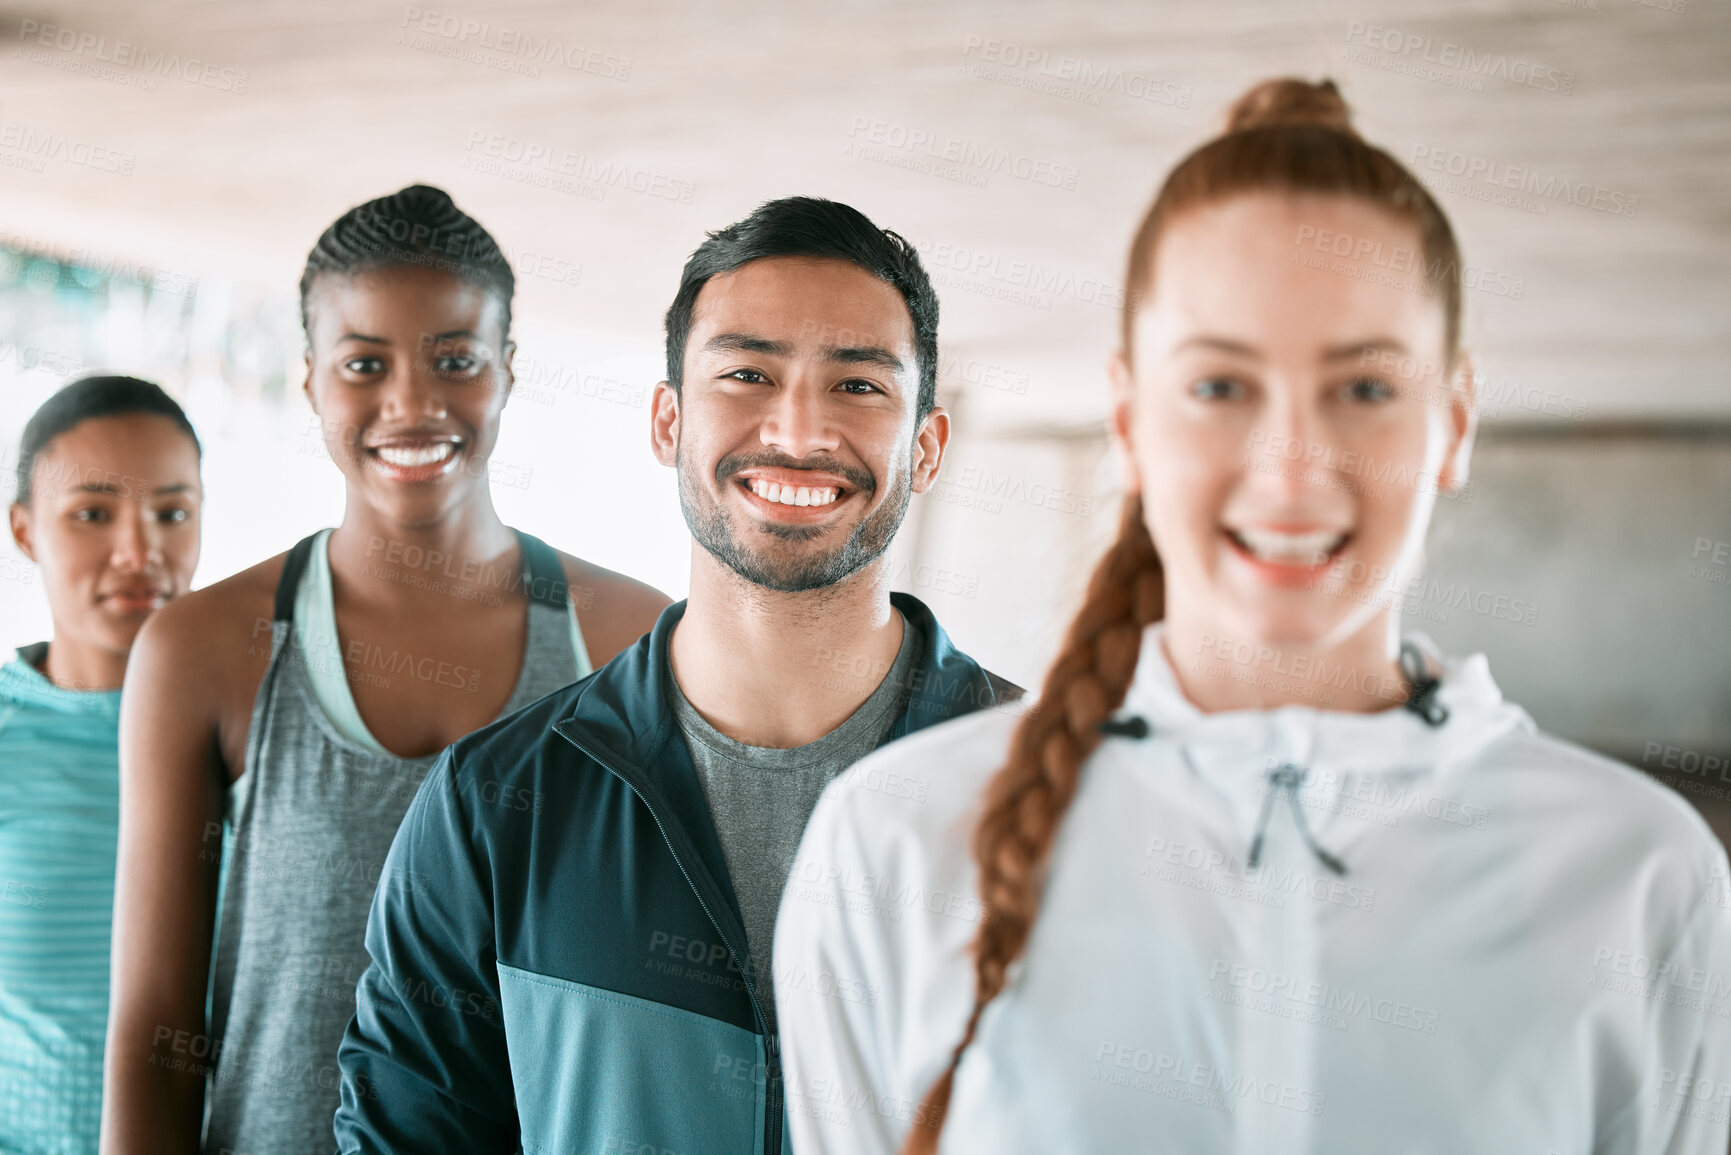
{"x": 762, "y": 797}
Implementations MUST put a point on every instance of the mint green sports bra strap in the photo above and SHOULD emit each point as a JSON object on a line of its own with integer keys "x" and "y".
{"x": 543, "y": 576}
{"x": 293, "y": 566}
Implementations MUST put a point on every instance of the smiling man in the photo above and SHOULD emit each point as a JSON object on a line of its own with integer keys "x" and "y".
{"x": 571, "y": 939}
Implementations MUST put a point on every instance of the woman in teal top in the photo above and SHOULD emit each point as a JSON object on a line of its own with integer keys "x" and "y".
{"x": 108, "y": 509}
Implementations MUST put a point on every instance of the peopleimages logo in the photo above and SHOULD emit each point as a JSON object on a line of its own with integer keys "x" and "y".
{"x": 34, "y": 146}
{"x": 515, "y": 42}
{"x": 1169, "y": 1076}
{"x": 1418, "y": 48}
{"x": 942, "y": 147}
{"x": 1479, "y": 170}
{"x": 1087, "y": 78}
{"x": 1043, "y": 282}
{"x": 157, "y": 280}
{"x": 1366, "y": 259}
{"x": 127, "y": 56}
{"x": 993, "y": 489}
{"x": 497, "y": 154}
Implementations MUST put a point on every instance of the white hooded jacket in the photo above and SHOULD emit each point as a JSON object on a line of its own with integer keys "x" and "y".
{"x": 1529, "y": 950}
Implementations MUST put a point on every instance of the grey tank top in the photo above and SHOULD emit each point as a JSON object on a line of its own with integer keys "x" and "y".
{"x": 310, "y": 821}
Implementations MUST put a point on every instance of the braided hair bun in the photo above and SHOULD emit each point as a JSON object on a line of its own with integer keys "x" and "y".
{"x": 416, "y": 226}
{"x": 1290, "y": 102}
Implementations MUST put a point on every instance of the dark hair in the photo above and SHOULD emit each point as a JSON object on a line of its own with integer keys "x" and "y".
{"x": 416, "y": 226}
{"x": 1284, "y": 136}
{"x": 85, "y": 400}
{"x": 812, "y": 227}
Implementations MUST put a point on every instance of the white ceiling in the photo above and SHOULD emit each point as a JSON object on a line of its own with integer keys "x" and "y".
{"x": 751, "y": 101}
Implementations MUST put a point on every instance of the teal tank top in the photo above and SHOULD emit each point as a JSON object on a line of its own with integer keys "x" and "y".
{"x": 59, "y": 823}
{"x": 315, "y": 634}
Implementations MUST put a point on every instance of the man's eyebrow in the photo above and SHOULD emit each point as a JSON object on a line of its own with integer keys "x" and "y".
{"x": 863, "y": 355}
{"x": 363, "y": 337}
{"x": 453, "y": 334}
{"x": 746, "y": 343}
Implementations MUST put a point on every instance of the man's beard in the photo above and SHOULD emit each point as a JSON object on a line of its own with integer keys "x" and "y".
{"x": 712, "y": 525}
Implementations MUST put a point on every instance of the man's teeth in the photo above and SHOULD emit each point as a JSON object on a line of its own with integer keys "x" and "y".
{"x": 409, "y": 457}
{"x": 794, "y": 495}
{"x": 1290, "y": 548}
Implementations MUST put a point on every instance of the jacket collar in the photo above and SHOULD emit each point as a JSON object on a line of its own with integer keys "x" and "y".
{"x": 622, "y": 713}
{"x": 1391, "y": 760}
{"x": 621, "y": 717}
{"x": 1330, "y": 743}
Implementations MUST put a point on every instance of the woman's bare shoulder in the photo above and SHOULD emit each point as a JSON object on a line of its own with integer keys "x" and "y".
{"x": 614, "y": 610}
{"x": 217, "y": 625}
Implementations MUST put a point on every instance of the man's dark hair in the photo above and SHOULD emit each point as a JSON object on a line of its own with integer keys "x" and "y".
{"x": 419, "y": 225}
{"x": 85, "y": 400}
{"x": 812, "y": 227}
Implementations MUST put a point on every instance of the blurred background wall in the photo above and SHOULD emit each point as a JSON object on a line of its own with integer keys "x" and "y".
{"x": 165, "y": 167}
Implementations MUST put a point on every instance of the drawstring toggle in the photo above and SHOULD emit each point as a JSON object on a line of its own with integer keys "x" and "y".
{"x": 1289, "y": 778}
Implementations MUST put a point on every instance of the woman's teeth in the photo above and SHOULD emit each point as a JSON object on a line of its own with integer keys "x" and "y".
{"x": 411, "y": 457}
{"x": 793, "y": 495}
{"x": 1290, "y": 548}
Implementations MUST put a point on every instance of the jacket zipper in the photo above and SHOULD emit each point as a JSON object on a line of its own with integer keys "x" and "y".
{"x": 772, "y": 1093}
{"x": 772, "y": 1068}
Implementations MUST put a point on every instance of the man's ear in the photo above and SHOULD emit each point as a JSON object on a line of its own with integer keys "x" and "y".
{"x": 929, "y": 445}
{"x": 509, "y": 362}
{"x": 1120, "y": 419}
{"x": 22, "y": 531}
{"x": 1463, "y": 418}
{"x": 664, "y": 424}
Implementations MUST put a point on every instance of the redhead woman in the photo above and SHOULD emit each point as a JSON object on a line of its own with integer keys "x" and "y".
{"x": 1259, "y": 871}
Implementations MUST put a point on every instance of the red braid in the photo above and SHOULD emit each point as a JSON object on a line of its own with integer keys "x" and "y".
{"x": 1026, "y": 800}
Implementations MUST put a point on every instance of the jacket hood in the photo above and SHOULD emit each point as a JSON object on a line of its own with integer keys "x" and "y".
{"x": 1318, "y": 757}
{"x": 1388, "y": 742}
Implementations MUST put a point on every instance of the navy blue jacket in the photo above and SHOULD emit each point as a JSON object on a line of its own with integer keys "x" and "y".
{"x": 558, "y": 960}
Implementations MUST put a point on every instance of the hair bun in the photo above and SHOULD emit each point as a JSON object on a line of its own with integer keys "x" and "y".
{"x": 422, "y": 194}
{"x": 1289, "y": 101}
